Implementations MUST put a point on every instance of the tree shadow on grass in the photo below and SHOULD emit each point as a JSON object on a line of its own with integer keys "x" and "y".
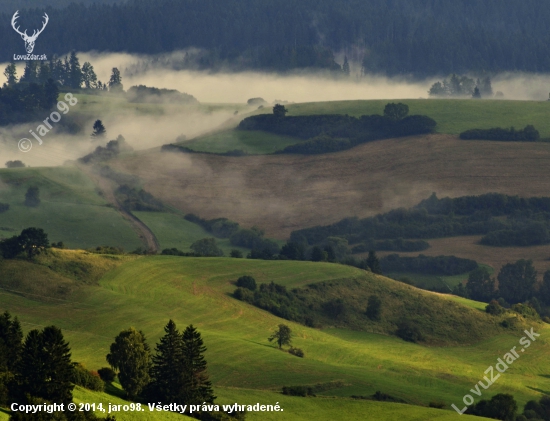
{"x": 544, "y": 392}
{"x": 112, "y": 390}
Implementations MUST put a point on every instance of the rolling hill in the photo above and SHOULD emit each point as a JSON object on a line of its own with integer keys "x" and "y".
{"x": 146, "y": 291}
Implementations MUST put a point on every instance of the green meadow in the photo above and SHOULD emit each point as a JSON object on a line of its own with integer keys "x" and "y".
{"x": 244, "y": 367}
{"x": 452, "y": 115}
{"x": 71, "y": 210}
{"x": 173, "y": 231}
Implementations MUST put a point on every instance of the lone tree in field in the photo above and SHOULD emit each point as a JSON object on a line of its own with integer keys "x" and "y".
{"x": 279, "y": 111}
{"x": 283, "y": 336}
{"x": 396, "y": 111}
{"x": 99, "y": 130}
{"x": 32, "y": 197}
{"x": 130, "y": 355}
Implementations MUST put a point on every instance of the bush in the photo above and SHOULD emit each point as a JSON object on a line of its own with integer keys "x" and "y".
{"x": 296, "y": 351}
{"x": 247, "y": 282}
{"x": 525, "y": 310}
{"x": 237, "y": 254}
{"x": 15, "y": 164}
{"x": 172, "y": 252}
{"x": 384, "y": 397}
{"x": 32, "y": 197}
{"x": 87, "y": 379}
{"x": 207, "y": 247}
{"x": 107, "y": 374}
{"x": 106, "y": 250}
{"x": 302, "y": 391}
{"x": 409, "y": 332}
{"x": 494, "y": 308}
{"x": 374, "y": 307}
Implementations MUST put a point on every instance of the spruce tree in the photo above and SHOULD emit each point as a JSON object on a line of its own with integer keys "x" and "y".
{"x": 198, "y": 387}
{"x": 373, "y": 263}
{"x": 45, "y": 369}
{"x": 58, "y": 368}
{"x": 167, "y": 371}
{"x": 11, "y": 342}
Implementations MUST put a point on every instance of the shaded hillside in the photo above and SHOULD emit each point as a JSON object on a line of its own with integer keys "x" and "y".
{"x": 284, "y": 193}
{"x": 148, "y": 291}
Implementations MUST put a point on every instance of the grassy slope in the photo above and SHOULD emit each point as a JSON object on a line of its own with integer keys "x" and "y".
{"x": 452, "y": 115}
{"x": 71, "y": 210}
{"x": 174, "y": 231}
{"x": 148, "y": 291}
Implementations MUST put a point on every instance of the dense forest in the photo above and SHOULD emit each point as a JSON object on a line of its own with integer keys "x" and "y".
{"x": 418, "y": 37}
{"x": 525, "y": 222}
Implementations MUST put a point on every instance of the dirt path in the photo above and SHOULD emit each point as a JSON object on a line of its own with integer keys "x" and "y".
{"x": 107, "y": 189}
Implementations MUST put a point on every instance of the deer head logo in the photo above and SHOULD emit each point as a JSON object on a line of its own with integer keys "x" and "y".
{"x": 29, "y": 40}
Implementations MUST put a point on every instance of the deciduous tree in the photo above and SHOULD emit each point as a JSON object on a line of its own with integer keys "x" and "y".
{"x": 283, "y": 336}
{"x": 130, "y": 355}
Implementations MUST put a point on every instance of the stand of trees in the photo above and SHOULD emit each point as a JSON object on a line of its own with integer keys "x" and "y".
{"x": 528, "y": 134}
{"x": 330, "y": 133}
{"x": 525, "y": 222}
{"x": 403, "y": 37}
{"x": 31, "y": 241}
{"x": 440, "y": 265}
{"x": 175, "y": 374}
{"x": 37, "y": 370}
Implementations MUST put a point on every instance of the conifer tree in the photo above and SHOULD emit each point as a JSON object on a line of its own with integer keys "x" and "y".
{"x": 11, "y": 342}
{"x": 45, "y": 369}
{"x": 198, "y": 387}
{"x": 167, "y": 371}
{"x": 373, "y": 263}
{"x": 11, "y": 74}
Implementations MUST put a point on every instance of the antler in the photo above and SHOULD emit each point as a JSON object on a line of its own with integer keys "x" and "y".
{"x": 35, "y": 34}
{"x": 13, "y": 23}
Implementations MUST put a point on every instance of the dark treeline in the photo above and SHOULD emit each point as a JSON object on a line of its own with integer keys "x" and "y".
{"x": 331, "y": 133}
{"x": 440, "y": 265}
{"x": 525, "y": 223}
{"x": 391, "y": 245}
{"x": 418, "y": 37}
{"x": 24, "y": 102}
{"x": 252, "y": 238}
{"x": 528, "y": 134}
